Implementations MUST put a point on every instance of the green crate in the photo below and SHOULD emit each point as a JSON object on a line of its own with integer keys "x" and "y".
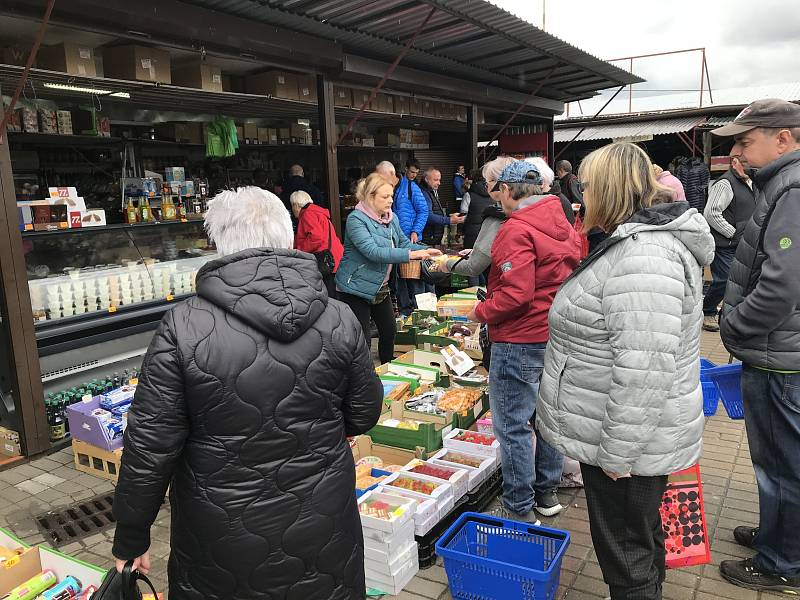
{"x": 428, "y": 436}
{"x": 466, "y": 421}
{"x": 459, "y": 281}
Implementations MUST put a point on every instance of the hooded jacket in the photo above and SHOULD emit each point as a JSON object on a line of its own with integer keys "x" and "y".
{"x": 760, "y": 322}
{"x": 296, "y": 183}
{"x": 246, "y": 394}
{"x": 620, "y": 388}
{"x": 534, "y": 251}
{"x": 315, "y": 233}
{"x": 411, "y": 208}
{"x": 480, "y": 259}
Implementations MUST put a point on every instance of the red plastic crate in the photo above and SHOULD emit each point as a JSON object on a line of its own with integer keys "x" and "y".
{"x": 684, "y": 520}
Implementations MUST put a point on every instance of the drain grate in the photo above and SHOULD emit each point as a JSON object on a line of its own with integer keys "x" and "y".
{"x": 76, "y": 521}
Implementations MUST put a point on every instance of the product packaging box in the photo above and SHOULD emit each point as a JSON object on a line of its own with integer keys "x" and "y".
{"x": 307, "y": 88}
{"x": 273, "y": 83}
{"x": 284, "y": 135}
{"x": 84, "y": 121}
{"x": 189, "y": 132}
{"x": 140, "y": 63}
{"x": 75, "y": 59}
{"x": 273, "y": 135}
{"x": 103, "y": 126}
{"x": 251, "y": 133}
{"x": 29, "y": 118}
{"x": 382, "y": 103}
{"x": 64, "y": 118}
{"x": 240, "y": 134}
{"x": 9, "y": 442}
{"x": 402, "y": 106}
{"x": 342, "y": 96}
{"x": 87, "y": 218}
{"x": 48, "y": 121}
{"x": 198, "y": 74}
{"x": 175, "y": 174}
{"x": 263, "y": 135}
{"x": 25, "y": 213}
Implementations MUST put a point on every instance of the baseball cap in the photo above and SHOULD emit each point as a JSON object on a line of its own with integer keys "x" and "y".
{"x": 770, "y": 112}
{"x": 519, "y": 172}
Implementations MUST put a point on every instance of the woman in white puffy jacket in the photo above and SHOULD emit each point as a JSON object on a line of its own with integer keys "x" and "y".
{"x": 621, "y": 391}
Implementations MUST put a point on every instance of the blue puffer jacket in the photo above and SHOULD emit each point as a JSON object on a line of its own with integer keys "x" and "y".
{"x": 369, "y": 249}
{"x": 413, "y": 213}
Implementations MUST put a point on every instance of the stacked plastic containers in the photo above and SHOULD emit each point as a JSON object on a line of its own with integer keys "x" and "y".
{"x": 390, "y": 552}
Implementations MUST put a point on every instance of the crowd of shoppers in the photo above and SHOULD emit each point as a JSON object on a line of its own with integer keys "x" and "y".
{"x": 594, "y": 359}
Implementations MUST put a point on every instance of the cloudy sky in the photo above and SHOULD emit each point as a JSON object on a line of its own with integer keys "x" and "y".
{"x": 747, "y": 43}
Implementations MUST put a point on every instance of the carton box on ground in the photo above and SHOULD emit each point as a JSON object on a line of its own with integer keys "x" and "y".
{"x": 75, "y": 59}
{"x": 140, "y": 63}
{"x": 278, "y": 84}
{"x": 9, "y": 442}
{"x": 198, "y": 74}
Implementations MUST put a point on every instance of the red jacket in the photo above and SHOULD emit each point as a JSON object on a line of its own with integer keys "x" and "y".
{"x": 312, "y": 232}
{"x": 535, "y": 250}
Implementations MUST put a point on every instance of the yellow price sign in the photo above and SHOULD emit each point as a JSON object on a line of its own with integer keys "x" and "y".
{"x": 170, "y": 297}
{"x": 112, "y": 309}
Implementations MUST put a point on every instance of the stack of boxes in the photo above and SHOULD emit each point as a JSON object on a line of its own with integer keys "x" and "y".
{"x": 390, "y": 552}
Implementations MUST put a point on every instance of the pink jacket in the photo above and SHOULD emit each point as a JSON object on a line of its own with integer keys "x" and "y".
{"x": 669, "y": 180}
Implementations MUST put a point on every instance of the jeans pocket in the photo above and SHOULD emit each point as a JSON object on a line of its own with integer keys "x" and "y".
{"x": 791, "y": 392}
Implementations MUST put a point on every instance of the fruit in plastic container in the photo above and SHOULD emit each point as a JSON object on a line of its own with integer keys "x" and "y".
{"x": 434, "y": 471}
{"x": 380, "y": 509}
{"x": 462, "y": 459}
{"x": 414, "y": 485}
{"x": 473, "y": 437}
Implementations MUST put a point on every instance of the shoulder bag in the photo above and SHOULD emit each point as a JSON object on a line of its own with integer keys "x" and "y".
{"x": 325, "y": 261}
{"x": 123, "y": 586}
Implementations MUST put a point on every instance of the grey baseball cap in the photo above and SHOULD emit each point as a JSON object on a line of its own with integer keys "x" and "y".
{"x": 770, "y": 112}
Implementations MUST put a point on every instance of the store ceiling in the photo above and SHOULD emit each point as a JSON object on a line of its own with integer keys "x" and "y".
{"x": 472, "y": 39}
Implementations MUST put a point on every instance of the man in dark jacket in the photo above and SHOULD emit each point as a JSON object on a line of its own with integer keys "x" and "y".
{"x": 438, "y": 218}
{"x": 694, "y": 175}
{"x": 569, "y": 184}
{"x": 246, "y": 394}
{"x": 760, "y": 325}
{"x": 297, "y": 182}
{"x": 535, "y": 250}
{"x": 730, "y": 205}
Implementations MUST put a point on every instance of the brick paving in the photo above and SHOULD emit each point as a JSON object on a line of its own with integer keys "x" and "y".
{"x": 728, "y": 483}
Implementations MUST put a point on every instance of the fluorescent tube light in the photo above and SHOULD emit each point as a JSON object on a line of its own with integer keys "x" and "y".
{"x": 87, "y": 90}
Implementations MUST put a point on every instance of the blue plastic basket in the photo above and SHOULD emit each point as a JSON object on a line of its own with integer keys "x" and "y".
{"x": 710, "y": 394}
{"x": 487, "y": 558}
{"x": 728, "y": 379}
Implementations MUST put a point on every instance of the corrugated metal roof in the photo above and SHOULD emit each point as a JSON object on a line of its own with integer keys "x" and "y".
{"x": 611, "y": 131}
{"x": 719, "y": 121}
{"x": 470, "y": 39}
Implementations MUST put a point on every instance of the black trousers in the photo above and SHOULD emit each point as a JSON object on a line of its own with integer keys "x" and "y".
{"x": 627, "y": 533}
{"x": 382, "y": 314}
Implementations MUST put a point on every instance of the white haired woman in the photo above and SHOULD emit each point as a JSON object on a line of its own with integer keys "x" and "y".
{"x": 547, "y": 186}
{"x": 315, "y": 235}
{"x": 245, "y": 397}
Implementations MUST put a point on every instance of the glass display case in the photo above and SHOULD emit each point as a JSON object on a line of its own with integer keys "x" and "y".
{"x": 89, "y": 274}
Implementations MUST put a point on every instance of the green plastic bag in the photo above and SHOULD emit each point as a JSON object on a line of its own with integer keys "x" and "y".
{"x": 222, "y": 140}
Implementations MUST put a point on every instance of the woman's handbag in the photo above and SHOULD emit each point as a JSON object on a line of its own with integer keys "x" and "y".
{"x": 325, "y": 261}
{"x": 122, "y": 586}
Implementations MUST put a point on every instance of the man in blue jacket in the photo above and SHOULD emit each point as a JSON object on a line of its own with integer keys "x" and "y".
{"x": 411, "y": 209}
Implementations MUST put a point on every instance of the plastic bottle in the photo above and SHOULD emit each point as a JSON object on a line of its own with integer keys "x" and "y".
{"x": 116, "y": 382}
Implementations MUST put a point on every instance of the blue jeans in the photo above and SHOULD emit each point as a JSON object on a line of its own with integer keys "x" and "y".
{"x": 772, "y": 418}
{"x": 720, "y": 267}
{"x": 514, "y": 375}
{"x": 407, "y": 289}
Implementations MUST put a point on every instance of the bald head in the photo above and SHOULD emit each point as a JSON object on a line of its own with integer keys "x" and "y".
{"x": 386, "y": 170}
{"x": 296, "y": 170}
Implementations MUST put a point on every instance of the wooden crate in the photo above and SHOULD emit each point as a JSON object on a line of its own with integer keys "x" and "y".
{"x": 96, "y": 461}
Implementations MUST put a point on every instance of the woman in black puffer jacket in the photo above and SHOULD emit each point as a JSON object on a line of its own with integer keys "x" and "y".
{"x": 245, "y": 397}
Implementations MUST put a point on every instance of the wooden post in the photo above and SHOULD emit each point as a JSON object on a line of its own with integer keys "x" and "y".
{"x": 328, "y": 138}
{"x": 708, "y": 144}
{"x": 551, "y": 143}
{"x": 18, "y": 318}
{"x": 472, "y": 138}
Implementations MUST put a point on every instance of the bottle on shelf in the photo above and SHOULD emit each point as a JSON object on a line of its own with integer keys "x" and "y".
{"x": 145, "y": 214}
{"x": 116, "y": 381}
{"x": 131, "y": 213}
{"x": 168, "y": 210}
{"x": 126, "y": 378}
{"x": 181, "y": 208}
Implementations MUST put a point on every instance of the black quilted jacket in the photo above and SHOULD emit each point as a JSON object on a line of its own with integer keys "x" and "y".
{"x": 245, "y": 397}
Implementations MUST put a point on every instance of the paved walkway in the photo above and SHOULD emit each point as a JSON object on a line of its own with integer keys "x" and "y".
{"x": 728, "y": 483}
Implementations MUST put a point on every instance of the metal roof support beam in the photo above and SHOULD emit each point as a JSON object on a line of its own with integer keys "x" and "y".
{"x": 385, "y": 77}
{"x": 330, "y": 160}
{"x": 602, "y": 108}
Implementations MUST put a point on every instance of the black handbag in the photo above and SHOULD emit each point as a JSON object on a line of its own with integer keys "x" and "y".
{"x": 325, "y": 261}
{"x": 123, "y": 586}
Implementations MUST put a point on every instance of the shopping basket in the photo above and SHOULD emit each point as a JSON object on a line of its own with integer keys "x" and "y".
{"x": 728, "y": 379}
{"x": 411, "y": 270}
{"x": 710, "y": 394}
{"x": 487, "y": 558}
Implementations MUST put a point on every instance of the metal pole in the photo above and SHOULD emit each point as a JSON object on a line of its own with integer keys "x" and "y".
{"x": 472, "y": 137}
{"x": 519, "y": 108}
{"x": 708, "y": 79}
{"x": 702, "y": 76}
{"x": 630, "y": 90}
{"x": 544, "y": 15}
{"x": 564, "y": 149}
{"x": 386, "y": 76}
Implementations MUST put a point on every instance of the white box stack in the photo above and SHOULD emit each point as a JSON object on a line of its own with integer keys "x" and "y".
{"x": 390, "y": 553}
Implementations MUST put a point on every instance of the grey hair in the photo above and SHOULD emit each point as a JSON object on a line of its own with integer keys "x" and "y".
{"x": 564, "y": 165}
{"x": 431, "y": 171}
{"x": 385, "y": 166}
{"x": 520, "y": 191}
{"x": 493, "y": 168}
{"x": 544, "y": 169}
{"x": 296, "y": 170}
{"x": 249, "y": 217}
{"x": 300, "y": 199}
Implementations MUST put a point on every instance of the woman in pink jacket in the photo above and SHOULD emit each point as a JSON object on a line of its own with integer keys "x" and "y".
{"x": 669, "y": 180}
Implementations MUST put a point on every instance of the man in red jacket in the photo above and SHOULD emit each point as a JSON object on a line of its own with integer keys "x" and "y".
{"x": 315, "y": 233}
{"x": 534, "y": 252}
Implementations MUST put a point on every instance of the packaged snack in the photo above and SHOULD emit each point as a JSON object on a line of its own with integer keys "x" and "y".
{"x": 118, "y": 397}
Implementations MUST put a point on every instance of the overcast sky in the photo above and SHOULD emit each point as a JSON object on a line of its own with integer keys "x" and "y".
{"x": 747, "y": 43}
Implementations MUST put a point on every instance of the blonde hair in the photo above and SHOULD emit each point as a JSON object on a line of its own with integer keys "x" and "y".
{"x": 369, "y": 186}
{"x": 493, "y": 168}
{"x": 619, "y": 181}
{"x": 300, "y": 199}
{"x": 657, "y": 170}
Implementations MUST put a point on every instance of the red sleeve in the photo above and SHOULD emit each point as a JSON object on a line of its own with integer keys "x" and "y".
{"x": 312, "y": 234}
{"x": 514, "y": 258}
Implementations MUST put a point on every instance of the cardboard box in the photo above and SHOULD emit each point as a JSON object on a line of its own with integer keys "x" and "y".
{"x": 140, "y": 63}
{"x": 48, "y": 121}
{"x": 461, "y": 113}
{"x": 188, "y": 133}
{"x": 251, "y": 133}
{"x": 307, "y": 88}
{"x": 9, "y": 442}
{"x": 284, "y": 135}
{"x": 15, "y": 55}
{"x": 198, "y": 74}
{"x": 75, "y": 59}
{"x": 415, "y": 107}
{"x": 96, "y": 461}
{"x": 342, "y": 96}
{"x": 273, "y": 135}
{"x": 273, "y": 83}
{"x": 263, "y": 135}
{"x": 429, "y": 109}
{"x": 87, "y": 218}
{"x": 359, "y": 98}
{"x": 64, "y": 118}
{"x": 86, "y": 424}
{"x": 382, "y": 103}
{"x": 233, "y": 83}
{"x": 402, "y": 105}
{"x": 240, "y": 134}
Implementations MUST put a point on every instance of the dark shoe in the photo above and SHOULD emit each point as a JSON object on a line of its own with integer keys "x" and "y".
{"x": 505, "y": 513}
{"x": 745, "y": 535}
{"x": 744, "y": 574}
{"x": 710, "y": 323}
{"x": 548, "y": 504}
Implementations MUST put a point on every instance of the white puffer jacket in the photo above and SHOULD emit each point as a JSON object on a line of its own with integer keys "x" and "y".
{"x": 621, "y": 381}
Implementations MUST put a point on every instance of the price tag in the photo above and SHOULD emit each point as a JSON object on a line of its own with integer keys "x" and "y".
{"x": 60, "y": 192}
{"x": 75, "y": 220}
{"x": 170, "y": 297}
{"x": 184, "y": 220}
{"x": 112, "y": 309}
{"x": 147, "y": 64}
